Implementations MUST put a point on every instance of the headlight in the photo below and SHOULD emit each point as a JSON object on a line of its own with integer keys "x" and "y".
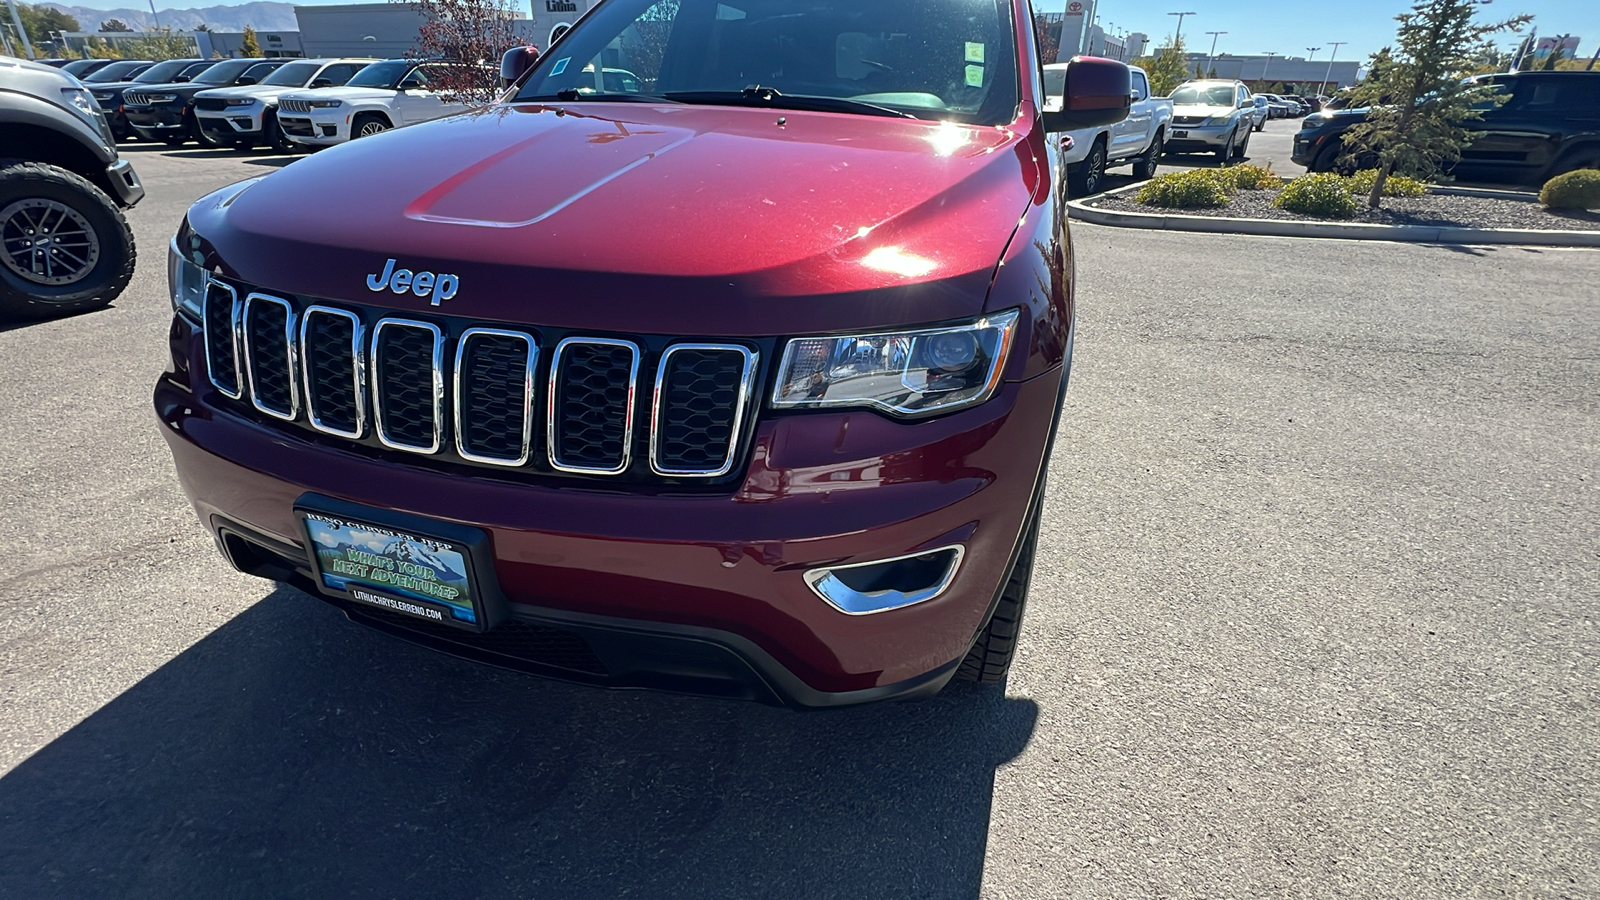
{"x": 242, "y": 101}
{"x": 80, "y": 98}
{"x": 905, "y": 373}
{"x": 160, "y": 98}
{"x": 187, "y": 281}
{"x": 105, "y": 96}
{"x": 326, "y": 104}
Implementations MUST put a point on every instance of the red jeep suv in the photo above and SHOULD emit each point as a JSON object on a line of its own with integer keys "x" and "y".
{"x": 723, "y": 354}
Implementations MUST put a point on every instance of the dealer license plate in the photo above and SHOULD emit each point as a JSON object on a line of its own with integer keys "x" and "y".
{"x": 1180, "y": 134}
{"x": 413, "y": 574}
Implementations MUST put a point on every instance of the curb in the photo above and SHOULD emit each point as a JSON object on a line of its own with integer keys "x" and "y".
{"x": 1417, "y": 234}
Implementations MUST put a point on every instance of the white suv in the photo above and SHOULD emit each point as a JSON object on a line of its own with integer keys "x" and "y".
{"x": 247, "y": 116}
{"x": 384, "y": 95}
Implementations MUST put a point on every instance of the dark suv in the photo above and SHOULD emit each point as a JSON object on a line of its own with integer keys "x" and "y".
{"x": 64, "y": 244}
{"x": 109, "y": 95}
{"x": 165, "y": 112}
{"x": 1543, "y": 124}
{"x": 739, "y": 376}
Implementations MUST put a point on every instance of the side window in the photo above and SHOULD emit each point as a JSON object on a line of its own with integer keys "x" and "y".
{"x": 1141, "y": 87}
{"x": 418, "y": 79}
{"x": 197, "y": 68}
{"x": 339, "y": 73}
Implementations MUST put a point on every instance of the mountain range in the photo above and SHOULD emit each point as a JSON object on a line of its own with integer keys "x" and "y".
{"x": 262, "y": 16}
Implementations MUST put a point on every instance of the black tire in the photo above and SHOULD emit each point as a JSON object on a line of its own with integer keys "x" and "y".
{"x": 1086, "y": 177}
{"x": 367, "y": 125}
{"x": 1144, "y": 165}
{"x": 1244, "y": 146}
{"x": 83, "y": 215}
{"x": 989, "y": 659}
{"x": 279, "y": 141}
{"x": 1226, "y": 153}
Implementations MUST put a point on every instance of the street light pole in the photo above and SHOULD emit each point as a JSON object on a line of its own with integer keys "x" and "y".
{"x": 1212, "y": 58}
{"x": 1178, "y": 35}
{"x": 22, "y": 33}
{"x": 1325, "y": 75}
{"x": 1265, "y": 65}
{"x": 1311, "y": 53}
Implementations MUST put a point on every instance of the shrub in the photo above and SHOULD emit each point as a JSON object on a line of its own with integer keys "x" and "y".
{"x": 1574, "y": 190}
{"x": 1191, "y": 189}
{"x": 1324, "y": 195}
{"x": 1397, "y": 186}
{"x": 1253, "y": 178}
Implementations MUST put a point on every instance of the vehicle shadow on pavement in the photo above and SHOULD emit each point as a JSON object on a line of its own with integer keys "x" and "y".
{"x": 293, "y": 753}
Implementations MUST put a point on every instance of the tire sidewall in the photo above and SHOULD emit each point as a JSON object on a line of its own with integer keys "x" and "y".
{"x": 101, "y": 285}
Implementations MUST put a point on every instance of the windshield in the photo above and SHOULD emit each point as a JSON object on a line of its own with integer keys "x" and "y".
{"x": 384, "y": 74}
{"x": 224, "y": 72}
{"x": 164, "y": 72}
{"x": 292, "y": 75}
{"x": 933, "y": 59}
{"x": 77, "y": 66}
{"x": 117, "y": 71}
{"x": 1203, "y": 95}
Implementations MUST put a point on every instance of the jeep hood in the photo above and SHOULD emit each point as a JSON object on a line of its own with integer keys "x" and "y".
{"x": 350, "y": 94}
{"x": 646, "y": 218}
{"x": 252, "y": 91}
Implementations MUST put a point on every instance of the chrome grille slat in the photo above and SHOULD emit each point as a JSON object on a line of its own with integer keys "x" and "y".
{"x": 396, "y": 363}
{"x": 494, "y": 383}
{"x": 221, "y": 325}
{"x": 589, "y": 419}
{"x": 698, "y": 408}
{"x": 333, "y": 369}
{"x": 294, "y": 106}
{"x": 269, "y": 355}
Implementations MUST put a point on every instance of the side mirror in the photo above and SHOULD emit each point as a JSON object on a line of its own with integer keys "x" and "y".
{"x": 1097, "y": 92}
{"x": 515, "y": 62}
{"x": 245, "y": 79}
{"x": 180, "y": 79}
{"x": 321, "y": 82}
{"x": 409, "y": 84}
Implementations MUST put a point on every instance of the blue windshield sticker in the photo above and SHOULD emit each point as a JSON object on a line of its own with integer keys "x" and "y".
{"x": 560, "y": 66}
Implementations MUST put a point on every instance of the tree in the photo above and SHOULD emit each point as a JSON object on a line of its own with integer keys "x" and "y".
{"x": 1167, "y": 69}
{"x": 114, "y": 25}
{"x": 474, "y": 32}
{"x": 40, "y": 21}
{"x": 1420, "y": 104}
{"x": 249, "y": 47}
{"x": 203, "y": 27}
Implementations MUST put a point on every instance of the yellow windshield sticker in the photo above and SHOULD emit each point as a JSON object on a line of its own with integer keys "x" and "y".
{"x": 974, "y": 52}
{"x": 975, "y": 76}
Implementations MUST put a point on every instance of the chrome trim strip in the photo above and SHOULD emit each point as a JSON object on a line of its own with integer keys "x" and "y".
{"x": 627, "y": 427}
{"x": 289, "y": 355}
{"x": 746, "y": 386}
{"x": 527, "y": 397}
{"x": 438, "y": 386}
{"x": 838, "y": 595}
{"x": 205, "y": 328}
{"x": 358, "y": 372}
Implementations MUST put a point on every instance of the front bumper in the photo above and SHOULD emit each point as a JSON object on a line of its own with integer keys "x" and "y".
{"x": 318, "y": 129}
{"x": 1198, "y": 137}
{"x": 231, "y": 124}
{"x": 1308, "y": 144}
{"x": 696, "y": 592}
{"x": 124, "y": 182}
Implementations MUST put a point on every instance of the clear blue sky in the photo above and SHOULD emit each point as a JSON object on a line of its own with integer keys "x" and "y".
{"x": 1253, "y": 26}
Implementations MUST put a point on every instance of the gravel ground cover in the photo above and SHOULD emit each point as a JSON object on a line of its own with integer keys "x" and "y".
{"x": 1438, "y": 210}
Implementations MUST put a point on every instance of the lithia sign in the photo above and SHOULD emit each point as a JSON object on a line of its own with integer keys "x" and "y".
{"x": 561, "y": 6}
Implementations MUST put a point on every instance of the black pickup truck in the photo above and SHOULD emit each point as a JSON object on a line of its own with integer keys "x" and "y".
{"x": 1549, "y": 123}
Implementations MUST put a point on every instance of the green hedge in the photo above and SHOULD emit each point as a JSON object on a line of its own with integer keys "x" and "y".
{"x": 1397, "y": 186}
{"x": 1574, "y": 190}
{"x": 1189, "y": 189}
{"x": 1324, "y": 195}
{"x": 1253, "y": 178}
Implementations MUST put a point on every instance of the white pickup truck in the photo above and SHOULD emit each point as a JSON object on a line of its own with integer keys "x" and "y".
{"x": 1136, "y": 140}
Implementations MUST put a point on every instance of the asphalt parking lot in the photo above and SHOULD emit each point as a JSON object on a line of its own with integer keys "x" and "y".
{"x": 1314, "y": 616}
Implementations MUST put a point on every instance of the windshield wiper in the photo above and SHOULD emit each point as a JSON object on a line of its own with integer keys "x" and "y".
{"x": 756, "y": 95}
{"x": 572, "y": 95}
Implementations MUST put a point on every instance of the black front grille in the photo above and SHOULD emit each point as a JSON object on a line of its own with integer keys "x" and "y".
{"x": 495, "y": 373}
{"x": 135, "y": 98}
{"x": 210, "y": 103}
{"x": 700, "y": 400}
{"x": 540, "y": 644}
{"x": 221, "y": 356}
{"x": 547, "y": 404}
{"x": 270, "y": 359}
{"x": 592, "y": 403}
{"x": 1188, "y": 120}
{"x": 333, "y": 374}
{"x": 404, "y": 370}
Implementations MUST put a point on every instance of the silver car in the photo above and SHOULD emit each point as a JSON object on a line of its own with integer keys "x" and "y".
{"x": 1263, "y": 111}
{"x": 1212, "y": 117}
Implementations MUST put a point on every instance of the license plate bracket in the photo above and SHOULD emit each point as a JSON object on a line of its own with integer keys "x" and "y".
{"x": 1180, "y": 134}
{"x": 433, "y": 571}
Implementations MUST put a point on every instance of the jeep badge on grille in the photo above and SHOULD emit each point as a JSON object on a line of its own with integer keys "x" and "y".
{"x": 423, "y": 284}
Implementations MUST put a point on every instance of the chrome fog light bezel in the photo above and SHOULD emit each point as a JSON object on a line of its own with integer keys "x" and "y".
{"x": 851, "y": 602}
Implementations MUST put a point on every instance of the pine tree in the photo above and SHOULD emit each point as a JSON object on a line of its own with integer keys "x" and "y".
{"x": 1167, "y": 69}
{"x": 1420, "y": 102}
{"x": 248, "y": 46}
